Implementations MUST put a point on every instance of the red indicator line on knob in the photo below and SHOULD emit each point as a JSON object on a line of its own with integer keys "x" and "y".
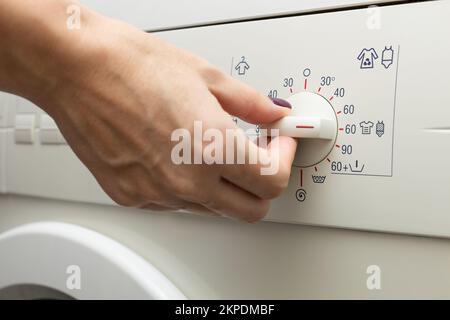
{"x": 315, "y": 168}
{"x": 306, "y": 84}
{"x": 301, "y": 178}
{"x": 304, "y": 127}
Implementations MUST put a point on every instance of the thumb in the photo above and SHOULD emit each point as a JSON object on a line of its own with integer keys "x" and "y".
{"x": 244, "y": 102}
{"x": 284, "y": 148}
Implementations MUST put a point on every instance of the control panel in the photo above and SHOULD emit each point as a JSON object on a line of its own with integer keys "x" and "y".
{"x": 370, "y": 107}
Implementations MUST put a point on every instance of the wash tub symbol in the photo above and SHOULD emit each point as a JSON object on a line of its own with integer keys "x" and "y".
{"x": 318, "y": 179}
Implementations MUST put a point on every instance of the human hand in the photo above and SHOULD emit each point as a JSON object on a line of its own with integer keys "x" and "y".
{"x": 118, "y": 94}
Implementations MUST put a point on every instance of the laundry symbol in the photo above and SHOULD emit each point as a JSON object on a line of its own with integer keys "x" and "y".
{"x": 356, "y": 167}
{"x": 318, "y": 179}
{"x": 366, "y": 127}
{"x": 387, "y": 57}
{"x": 242, "y": 67}
{"x": 367, "y": 58}
{"x": 379, "y": 128}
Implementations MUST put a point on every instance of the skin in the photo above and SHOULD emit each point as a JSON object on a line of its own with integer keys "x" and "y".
{"x": 117, "y": 94}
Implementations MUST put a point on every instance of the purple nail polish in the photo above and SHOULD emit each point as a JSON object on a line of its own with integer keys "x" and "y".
{"x": 281, "y": 102}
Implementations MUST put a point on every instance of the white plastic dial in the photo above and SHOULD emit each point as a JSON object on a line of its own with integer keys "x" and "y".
{"x": 314, "y": 121}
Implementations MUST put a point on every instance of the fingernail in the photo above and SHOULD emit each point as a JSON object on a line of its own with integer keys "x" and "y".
{"x": 281, "y": 102}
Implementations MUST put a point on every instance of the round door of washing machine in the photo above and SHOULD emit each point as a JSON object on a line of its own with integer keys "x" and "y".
{"x": 53, "y": 260}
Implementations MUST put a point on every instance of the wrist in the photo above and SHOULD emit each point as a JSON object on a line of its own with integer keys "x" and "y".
{"x": 41, "y": 45}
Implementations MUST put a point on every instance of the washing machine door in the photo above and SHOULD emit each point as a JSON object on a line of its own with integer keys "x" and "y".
{"x": 49, "y": 260}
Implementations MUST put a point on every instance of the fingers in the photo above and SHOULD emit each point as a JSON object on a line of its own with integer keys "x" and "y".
{"x": 269, "y": 176}
{"x": 240, "y": 100}
{"x": 181, "y": 206}
{"x": 284, "y": 148}
{"x": 234, "y": 202}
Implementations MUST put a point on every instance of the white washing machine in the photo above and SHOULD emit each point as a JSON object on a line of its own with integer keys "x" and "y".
{"x": 366, "y": 214}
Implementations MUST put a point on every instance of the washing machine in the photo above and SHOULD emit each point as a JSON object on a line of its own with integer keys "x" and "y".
{"x": 366, "y": 213}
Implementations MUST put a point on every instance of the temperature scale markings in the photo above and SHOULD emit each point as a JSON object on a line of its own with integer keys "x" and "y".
{"x": 306, "y": 84}
{"x": 301, "y": 177}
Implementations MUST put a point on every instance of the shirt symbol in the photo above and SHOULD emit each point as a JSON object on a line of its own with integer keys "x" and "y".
{"x": 366, "y": 127}
{"x": 367, "y": 57}
{"x": 242, "y": 67}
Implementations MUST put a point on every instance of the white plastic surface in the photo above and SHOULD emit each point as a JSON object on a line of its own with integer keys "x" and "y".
{"x": 311, "y": 117}
{"x": 24, "y": 128}
{"x": 387, "y": 171}
{"x": 46, "y": 253}
{"x": 49, "y": 132}
{"x": 304, "y": 127}
{"x": 8, "y": 106}
{"x": 51, "y": 171}
{"x": 2, "y": 161}
{"x": 394, "y": 177}
{"x": 3, "y": 110}
{"x": 160, "y": 14}
{"x": 209, "y": 258}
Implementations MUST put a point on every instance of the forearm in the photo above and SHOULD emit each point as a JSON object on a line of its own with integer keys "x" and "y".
{"x": 118, "y": 94}
{"x": 36, "y": 46}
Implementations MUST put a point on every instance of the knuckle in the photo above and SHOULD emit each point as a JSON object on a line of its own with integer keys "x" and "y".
{"x": 254, "y": 101}
{"x": 258, "y": 212}
{"x": 272, "y": 193}
{"x": 123, "y": 202}
{"x": 123, "y": 194}
{"x": 211, "y": 204}
{"x": 257, "y": 99}
{"x": 283, "y": 177}
{"x": 122, "y": 199}
{"x": 211, "y": 74}
{"x": 137, "y": 193}
{"x": 184, "y": 188}
{"x": 180, "y": 184}
{"x": 277, "y": 185}
{"x": 153, "y": 207}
